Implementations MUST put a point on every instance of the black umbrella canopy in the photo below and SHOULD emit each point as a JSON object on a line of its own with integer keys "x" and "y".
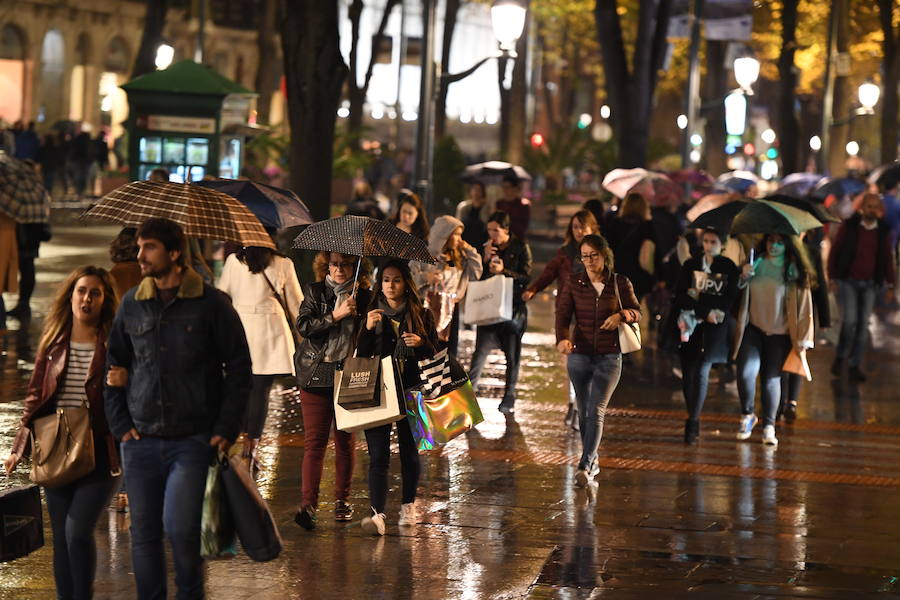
{"x": 719, "y": 219}
{"x": 813, "y": 208}
{"x": 886, "y": 177}
{"x": 764, "y": 216}
{"x": 363, "y": 236}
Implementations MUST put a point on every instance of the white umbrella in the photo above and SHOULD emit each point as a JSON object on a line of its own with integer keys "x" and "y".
{"x": 618, "y": 181}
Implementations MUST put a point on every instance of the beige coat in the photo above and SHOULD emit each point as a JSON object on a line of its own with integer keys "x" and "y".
{"x": 268, "y": 334}
{"x": 798, "y": 308}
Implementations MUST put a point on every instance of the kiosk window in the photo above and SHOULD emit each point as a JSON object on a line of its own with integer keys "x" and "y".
{"x": 151, "y": 149}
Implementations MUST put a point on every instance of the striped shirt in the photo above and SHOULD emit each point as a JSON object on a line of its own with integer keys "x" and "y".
{"x": 72, "y": 392}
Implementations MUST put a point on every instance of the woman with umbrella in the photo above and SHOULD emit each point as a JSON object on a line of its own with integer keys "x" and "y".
{"x": 775, "y": 317}
{"x": 329, "y": 321}
{"x": 706, "y": 288}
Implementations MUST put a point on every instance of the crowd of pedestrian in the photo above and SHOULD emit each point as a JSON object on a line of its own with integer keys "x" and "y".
{"x": 173, "y": 368}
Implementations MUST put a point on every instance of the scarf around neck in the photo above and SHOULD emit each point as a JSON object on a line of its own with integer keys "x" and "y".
{"x": 401, "y": 350}
{"x": 334, "y": 347}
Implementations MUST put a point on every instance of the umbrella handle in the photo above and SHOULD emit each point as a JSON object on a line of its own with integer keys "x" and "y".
{"x": 356, "y": 277}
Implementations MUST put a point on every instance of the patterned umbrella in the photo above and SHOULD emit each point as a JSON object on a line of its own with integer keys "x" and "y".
{"x": 274, "y": 207}
{"x": 659, "y": 190}
{"x": 203, "y": 213}
{"x": 22, "y": 195}
{"x": 362, "y": 236}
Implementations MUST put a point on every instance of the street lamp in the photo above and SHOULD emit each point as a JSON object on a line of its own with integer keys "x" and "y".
{"x": 164, "y": 55}
{"x": 815, "y": 143}
{"x": 746, "y": 72}
{"x": 852, "y": 148}
{"x": 508, "y": 21}
{"x": 868, "y": 95}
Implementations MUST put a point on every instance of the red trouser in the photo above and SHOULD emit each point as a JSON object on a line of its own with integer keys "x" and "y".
{"x": 318, "y": 420}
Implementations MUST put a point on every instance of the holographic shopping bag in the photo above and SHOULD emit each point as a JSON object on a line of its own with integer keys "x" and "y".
{"x": 434, "y": 422}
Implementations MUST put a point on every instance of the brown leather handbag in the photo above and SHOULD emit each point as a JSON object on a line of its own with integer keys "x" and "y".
{"x": 62, "y": 446}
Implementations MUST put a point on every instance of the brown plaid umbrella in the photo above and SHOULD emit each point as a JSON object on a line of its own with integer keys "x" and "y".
{"x": 202, "y": 212}
{"x": 22, "y": 195}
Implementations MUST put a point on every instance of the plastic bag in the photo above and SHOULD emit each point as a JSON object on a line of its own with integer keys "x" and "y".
{"x": 217, "y": 533}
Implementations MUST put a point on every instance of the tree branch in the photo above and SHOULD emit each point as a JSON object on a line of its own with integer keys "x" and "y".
{"x": 376, "y": 39}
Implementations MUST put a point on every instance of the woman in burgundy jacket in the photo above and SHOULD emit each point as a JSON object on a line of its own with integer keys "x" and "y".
{"x": 68, "y": 371}
{"x": 594, "y": 355}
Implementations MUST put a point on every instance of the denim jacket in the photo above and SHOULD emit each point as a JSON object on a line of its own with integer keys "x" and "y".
{"x": 188, "y": 363}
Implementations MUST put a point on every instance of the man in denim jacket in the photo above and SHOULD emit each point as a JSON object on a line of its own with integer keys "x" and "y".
{"x": 188, "y": 366}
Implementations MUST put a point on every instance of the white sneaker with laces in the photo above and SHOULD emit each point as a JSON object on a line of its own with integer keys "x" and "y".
{"x": 748, "y": 422}
{"x": 373, "y": 525}
{"x": 408, "y": 514}
{"x": 769, "y": 438}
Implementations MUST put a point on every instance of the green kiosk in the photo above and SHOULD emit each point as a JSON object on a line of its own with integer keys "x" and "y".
{"x": 186, "y": 119}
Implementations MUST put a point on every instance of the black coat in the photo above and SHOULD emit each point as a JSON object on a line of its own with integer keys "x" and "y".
{"x": 708, "y": 339}
{"x": 315, "y": 324}
{"x": 385, "y": 344}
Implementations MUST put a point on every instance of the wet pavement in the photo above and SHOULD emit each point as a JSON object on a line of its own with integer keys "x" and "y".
{"x": 500, "y": 517}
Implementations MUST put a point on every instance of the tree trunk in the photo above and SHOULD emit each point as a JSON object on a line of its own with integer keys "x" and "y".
{"x": 837, "y": 153}
{"x": 315, "y": 72}
{"x": 154, "y": 22}
{"x": 357, "y": 92}
{"x": 891, "y": 79}
{"x": 451, "y": 11}
{"x": 518, "y": 97}
{"x": 631, "y": 93}
{"x": 716, "y": 87}
{"x": 267, "y": 71}
{"x": 789, "y": 129}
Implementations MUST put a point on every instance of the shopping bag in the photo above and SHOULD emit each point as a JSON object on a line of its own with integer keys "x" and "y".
{"x": 390, "y": 406}
{"x": 359, "y": 383}
{"x": 253, "y": 520}
{"x": 489, "y": 301}
{"x": 217, "y": 535}
{"x": 22, "y": 530}
{"x": 796, "y": 363}
{"x": 436, "y": 421}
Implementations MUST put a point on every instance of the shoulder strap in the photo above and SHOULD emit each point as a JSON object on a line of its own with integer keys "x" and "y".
{"x": 616, "y": 287}
{"x": 282, "y": 304}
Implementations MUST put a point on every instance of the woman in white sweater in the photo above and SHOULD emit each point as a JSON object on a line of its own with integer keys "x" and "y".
{"x": 262, "y": 285}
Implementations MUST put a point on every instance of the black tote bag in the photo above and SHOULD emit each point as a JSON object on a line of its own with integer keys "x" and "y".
{"x": 250, "y": 513}
{"x": 21, "y": 523}
{"x": 359, "y": 383}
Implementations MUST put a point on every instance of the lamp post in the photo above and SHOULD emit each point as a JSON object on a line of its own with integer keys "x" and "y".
{"x": 867, "y": 95}
{"x": 507, "y": 22}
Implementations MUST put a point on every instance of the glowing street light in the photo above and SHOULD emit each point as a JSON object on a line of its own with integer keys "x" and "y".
{"x": 508, "y": 21}
{"x": 868, "y": 94}
{"x": 852, "y": 148}
{"x": 682, "y": 121}
{"x": 746, "y": 72}
{"x": 815, "y": 143}
{"x": 164, "y": 56}
{"x": 605, "y": 111}
{"x": 768, "y": 136}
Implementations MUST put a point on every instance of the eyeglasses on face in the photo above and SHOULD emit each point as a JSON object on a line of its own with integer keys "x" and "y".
{"x": 590, "y": 257}
{"x": 342, "y": 265}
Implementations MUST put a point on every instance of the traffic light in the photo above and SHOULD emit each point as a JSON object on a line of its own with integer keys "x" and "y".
{"x": 749, "y": 149}
{"x": 772, "y": 153}
{"x": 537, "y": 140}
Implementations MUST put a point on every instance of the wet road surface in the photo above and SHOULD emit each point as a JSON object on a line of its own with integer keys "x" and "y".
{"x": 500, "y": 517}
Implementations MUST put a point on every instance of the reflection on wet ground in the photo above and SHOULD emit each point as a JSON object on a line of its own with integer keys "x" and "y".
{"x": 500, "y": 517}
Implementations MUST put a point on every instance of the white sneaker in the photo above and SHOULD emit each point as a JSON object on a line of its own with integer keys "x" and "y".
{"x": 408, "y": 514}
{"x": 373, "y": 525}
{"x": 748, "y": 422}
{"x": 769, "y": 438}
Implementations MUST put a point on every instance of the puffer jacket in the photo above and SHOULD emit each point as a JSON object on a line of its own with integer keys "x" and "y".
{"x": 580, "y": 299}
{"x": 188, "y": 363}
{"x": 315, "y": 324}
{"x": 559, "y": 269}
{"x": 40, "y": 400}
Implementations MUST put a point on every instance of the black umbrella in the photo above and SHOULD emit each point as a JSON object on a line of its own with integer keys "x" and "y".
{"x": 813, "y": 208}
{"x": 764, "y": 216}
{"x": 886, "y": 177}
{"x": 494, "y": 169}
{"x": 274, "y": 207}
{"x": 362, "y": 236}
{"x": 719, "y": 219}
{"x": 844, "y": 186}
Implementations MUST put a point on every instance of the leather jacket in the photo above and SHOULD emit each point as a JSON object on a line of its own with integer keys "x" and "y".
{"x": 40, "y": 400}
{"x": 315, "y": 324}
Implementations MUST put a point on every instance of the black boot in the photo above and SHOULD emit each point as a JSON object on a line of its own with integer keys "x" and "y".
{"x": 691, "y": 431}
{"x": 790, "y": 412}
{"x": 837, "y": 367}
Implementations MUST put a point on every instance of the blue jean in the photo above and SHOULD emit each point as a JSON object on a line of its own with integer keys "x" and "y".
{"x": 761, "y": 355}
{"x": 594, "y": 377}
{"x": 857, "y": 301}
{"x": 74, "y": 511}
{"x": 166, "y": 478}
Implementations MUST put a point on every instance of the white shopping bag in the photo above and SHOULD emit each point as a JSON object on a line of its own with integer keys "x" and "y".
{"x": 391, "y": 406}
{"x": 489, "y": 301}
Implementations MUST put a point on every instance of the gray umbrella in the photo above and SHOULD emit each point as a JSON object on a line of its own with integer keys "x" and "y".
{"x": 363, "y": 236}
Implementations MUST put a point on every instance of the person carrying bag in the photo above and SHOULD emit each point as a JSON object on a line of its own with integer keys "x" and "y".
{"x": 399, "y": 329}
